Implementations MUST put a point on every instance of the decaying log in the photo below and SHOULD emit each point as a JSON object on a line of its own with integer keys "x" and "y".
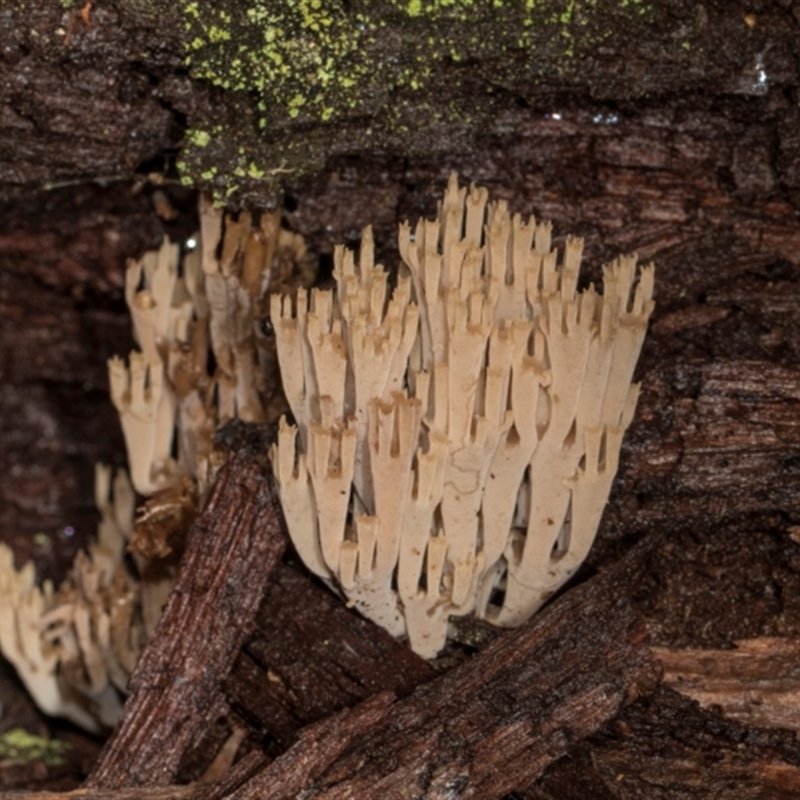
{"x": 492, "y": 724}
{"x": 734, "y": 434}
{"x": 487, "y": 727}
{"x": 91, "y": 101}
{"x": 758, "y": 683}
{"x": 233, "y": 548}
{"x": 667, "y": 747}
{"x": 309, "y": 657}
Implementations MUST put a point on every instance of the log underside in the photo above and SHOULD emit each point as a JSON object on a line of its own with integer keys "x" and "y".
{"x": 695, "y": 549}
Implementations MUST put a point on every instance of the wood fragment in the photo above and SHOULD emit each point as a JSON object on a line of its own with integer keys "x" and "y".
{"x": 175, "y": 691}
{"x": 226, "y": 756}
{"x": 309, "y": 657}
{"x": 757, "y": 683}
{"x": 241, "y": 772}
{"x": 137, "y": 793}
{"x": 669, "y": 748}
{"x": 317, "y": 747}
{"x": 687, "y": 318}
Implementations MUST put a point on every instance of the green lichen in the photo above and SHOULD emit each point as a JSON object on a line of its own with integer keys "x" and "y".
{"x": 298, "y": 56}
{"x": 313, "y": 59}
{"x": 198, "y": 138}
{"x": 322, "y": 63}
{"x": 19, "y": 745}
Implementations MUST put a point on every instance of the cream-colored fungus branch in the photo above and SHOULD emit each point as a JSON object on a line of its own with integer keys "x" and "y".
{"x": 76, "y": 648}
{"x": 456, "y": 435}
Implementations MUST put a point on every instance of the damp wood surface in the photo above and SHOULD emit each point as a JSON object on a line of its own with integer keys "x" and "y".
{"x": 481, "y": 729}
{"x": 175, "y": 690}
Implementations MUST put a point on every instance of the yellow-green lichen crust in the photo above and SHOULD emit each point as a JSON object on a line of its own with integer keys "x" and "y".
{"x": 20, "y": 745}
{"x": 324, "y": 63}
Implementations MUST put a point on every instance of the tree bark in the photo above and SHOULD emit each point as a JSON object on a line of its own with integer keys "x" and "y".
{"x": 233, "y": 548}
{"x": 309, "y": 657}
{"x": 757, "y": 683}
{"x": 93, "y": 93}
{"x": 491, "y": 725}
{"x": 666, "y": 747}
{"x": 483, "y": 729}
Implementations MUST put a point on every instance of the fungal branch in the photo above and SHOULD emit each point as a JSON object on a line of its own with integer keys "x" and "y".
{"x": 76, "y": 648}
{"x": 456, "y": 438}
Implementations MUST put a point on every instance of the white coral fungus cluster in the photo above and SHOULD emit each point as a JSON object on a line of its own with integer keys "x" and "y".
{"x": 456, "y": 437}
{"x": 76, "y": 648}
{"x": 180, "y": 311}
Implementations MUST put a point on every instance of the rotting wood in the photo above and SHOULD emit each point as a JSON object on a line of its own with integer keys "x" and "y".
{"x": 318, "y": 746}
{"x": 489, "y": 726}
{"x": 311, "y": 656}
{"x": 243, "y": 771}
{"x": 757, "y": 683}
{"x": 667, "y": 747}
{"x": 175, "y": 691}
{"x": 492, "y": 724}
{"x": 137, "y": 793}
{"x": 61, "y": 122}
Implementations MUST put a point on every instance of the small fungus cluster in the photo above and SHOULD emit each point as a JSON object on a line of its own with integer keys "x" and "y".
{"x": 76, "y": 648}
{"x": 456, "y": 438}
{"x": 210, "y": 303}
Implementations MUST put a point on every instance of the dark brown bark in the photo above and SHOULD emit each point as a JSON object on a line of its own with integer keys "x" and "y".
{"x": 137, "y": 793}
{"x": 96, "y": 98}
{"x": 317, "y": 747}
{"x": 666, "y": 748}
{"x": 233, "y": 548}
{"x": 309, "y": 657}
{"x": 485, "y": 728}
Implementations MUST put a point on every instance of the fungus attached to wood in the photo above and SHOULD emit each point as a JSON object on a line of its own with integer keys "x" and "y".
{"x": 76, "y": 648}
{"x": 210, "y": 301}
{"x": 457, "y": 436}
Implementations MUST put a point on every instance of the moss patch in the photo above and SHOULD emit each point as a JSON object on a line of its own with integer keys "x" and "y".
{"x": 19, "y": 745}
